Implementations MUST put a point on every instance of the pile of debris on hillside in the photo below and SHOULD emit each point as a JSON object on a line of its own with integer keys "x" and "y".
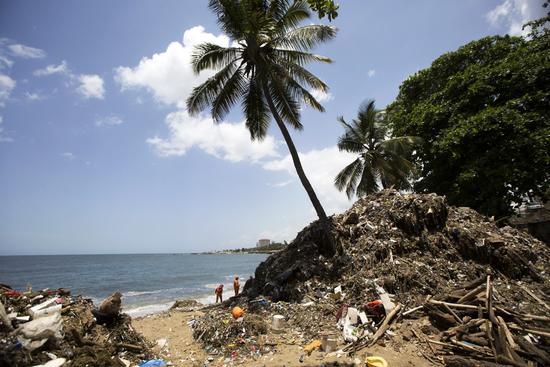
{"x": 52, "y": 328}
{"x": 413, "y": 245}
{"x": 409, "y": 262}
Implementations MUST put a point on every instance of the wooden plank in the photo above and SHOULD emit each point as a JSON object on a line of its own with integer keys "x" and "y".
{"x": 489, "y": 300}
{"x": 385, "y": 324}
{"x": 507, "y": 333}
{"x": 471, "y": 295}
{"x": 458, "y": 319}
{"x": 529, "y": 347}
{"x": 408, "y": 312}
{"x": 535, "y": 297}
{"x": 453, "y": 305}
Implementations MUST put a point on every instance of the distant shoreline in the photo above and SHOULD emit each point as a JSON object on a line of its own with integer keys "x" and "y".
{"x": 235, "y": 252}
{"x": 269, "y": 249}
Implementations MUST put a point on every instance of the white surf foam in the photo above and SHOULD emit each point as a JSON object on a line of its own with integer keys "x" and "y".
{"x": 141, "y": 311}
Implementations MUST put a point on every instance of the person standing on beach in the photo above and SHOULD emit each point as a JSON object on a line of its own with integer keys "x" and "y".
{"x": 236, "y": 285}
{"x": 219, "y": 293}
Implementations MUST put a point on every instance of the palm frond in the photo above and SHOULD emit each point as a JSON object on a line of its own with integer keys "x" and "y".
{"x": 349, "y": 144}
{"x": 352, "y": 140}
{"x": 256, "y": 110}
{"x": 304, "y": 38}
{"x": 402, "y": 145}
{"x": 348, "y": 177}
{"x": 368, "y": 183}
{"x": 304, "y": 76}
{"x": 299, "y": 57}
{"x": 291, "y": 16}
{"x": 211, "y": 56}
{"x": 285, "y": 102}
{"x": 203, "y": 95}
{"x": 231, "y": 17}
{"x": 232, "y": 90}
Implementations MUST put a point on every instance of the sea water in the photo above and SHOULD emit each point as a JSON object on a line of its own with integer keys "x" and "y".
{"x": 149, "y": 283}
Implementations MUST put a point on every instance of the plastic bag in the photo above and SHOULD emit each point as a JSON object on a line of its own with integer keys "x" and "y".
{"x": 153, "y": 363}
{"x": 35, "y": 333}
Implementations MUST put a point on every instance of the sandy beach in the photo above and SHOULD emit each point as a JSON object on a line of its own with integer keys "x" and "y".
{"x": 176, "y": 345}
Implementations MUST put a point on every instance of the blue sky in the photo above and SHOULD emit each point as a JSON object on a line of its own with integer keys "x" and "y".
{"x": 97, "y": 152}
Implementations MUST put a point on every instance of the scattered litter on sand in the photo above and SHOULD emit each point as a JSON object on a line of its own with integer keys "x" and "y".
{"x": 53, "y": 329}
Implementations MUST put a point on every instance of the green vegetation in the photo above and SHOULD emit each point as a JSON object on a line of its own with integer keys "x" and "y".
{"x": 265, "y": 71}
{"x": 381, "y": 160}
{"x": 324, "y": 8}
{"x": 483, "y": 113}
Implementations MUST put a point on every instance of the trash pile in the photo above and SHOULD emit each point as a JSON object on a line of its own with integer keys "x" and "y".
{"x": 413, "y": 245}
{"x": 52, "y": 328}
{"x": 223, "y": 334}
{"x": 409, "y": 267}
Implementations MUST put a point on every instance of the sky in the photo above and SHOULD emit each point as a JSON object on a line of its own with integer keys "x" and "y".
{"x": 99, "y": 155}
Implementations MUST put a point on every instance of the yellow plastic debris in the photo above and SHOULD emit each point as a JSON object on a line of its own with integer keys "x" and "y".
{"x": 316, "y": 344}
{"x": 375, "y": 361}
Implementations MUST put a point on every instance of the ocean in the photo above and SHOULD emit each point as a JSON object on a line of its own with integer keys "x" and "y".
{"x": 149, "y": 283}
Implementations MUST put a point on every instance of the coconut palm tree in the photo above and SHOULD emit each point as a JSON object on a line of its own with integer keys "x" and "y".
{"x": 381, "y": 162}
{"x": 264, "y": 69}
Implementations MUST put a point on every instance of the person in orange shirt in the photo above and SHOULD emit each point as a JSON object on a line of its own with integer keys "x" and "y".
{"x": 236, "y": 285}
{"x": 219, "y": 293}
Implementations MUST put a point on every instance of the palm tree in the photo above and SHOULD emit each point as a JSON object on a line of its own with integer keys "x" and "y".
{"x": 381, "y": 161}
{"x": 264, "y": 69}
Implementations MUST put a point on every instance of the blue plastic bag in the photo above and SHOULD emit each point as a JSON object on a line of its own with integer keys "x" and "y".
{"x": 153, "y": 363}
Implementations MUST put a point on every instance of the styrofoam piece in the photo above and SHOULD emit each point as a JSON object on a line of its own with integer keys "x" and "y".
{"x": 351, "y": 316}
{"x": 278, "y": 322}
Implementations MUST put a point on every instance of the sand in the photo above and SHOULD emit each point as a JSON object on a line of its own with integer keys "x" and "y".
{"x": 176, "y": 344}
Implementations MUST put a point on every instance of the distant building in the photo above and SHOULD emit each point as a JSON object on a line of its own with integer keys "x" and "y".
{"x": 263, "y": 242}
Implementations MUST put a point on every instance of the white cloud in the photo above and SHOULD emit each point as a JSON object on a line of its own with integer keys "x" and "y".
{"x": 88, "y": 85}
{"x": 6, "y": 86}
{"x": 91, "y": 86}
{"x": 5, "y": 62}
{"x": 68, "y": 156}
{"x": 3, "y": 138}
{"x": 34, "y": 96}
{"x": 26, "y": 52}
{"x": 111, "y": 120}
{"x": 321, "y": 96}
{"x": 226, "y": 141}
{"x": 280, "y": 184}
{"x": 53, "y": 69}
{"x": 169, "y": 75}
{"x": 371, "y": 73}
{"x": 513, "y": 14}
{"x": 320, "y": 166}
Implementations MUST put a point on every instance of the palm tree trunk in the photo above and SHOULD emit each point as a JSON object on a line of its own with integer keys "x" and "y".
{"x": 328, "y": 246}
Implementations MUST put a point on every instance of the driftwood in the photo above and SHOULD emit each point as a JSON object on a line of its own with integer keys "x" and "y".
{"x": 408, "y": 312}
{"x": 529, "y": 347}
{"x": 475, "y": 283}
{"x": 132, "y": 347}
{"x": 385, "y": 325}
{"x": 456, "y": 361}
{"x": 540, "y": 301}
{"x": 472, "y": 294}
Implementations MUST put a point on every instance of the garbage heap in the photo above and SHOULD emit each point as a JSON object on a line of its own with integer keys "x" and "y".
{"x": 413, "y": 245}
{"x": 410, "y": 267}
{"x": 51, "y": 326}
